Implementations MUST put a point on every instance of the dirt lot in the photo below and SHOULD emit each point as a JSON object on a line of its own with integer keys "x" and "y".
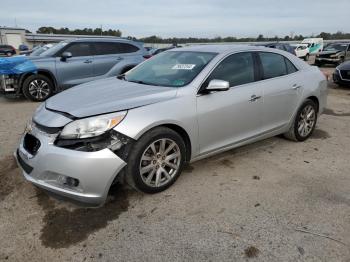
{"x": 274, "y": 200}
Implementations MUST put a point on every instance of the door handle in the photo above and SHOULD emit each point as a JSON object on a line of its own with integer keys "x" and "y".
{"x": 253, "y": 98}
{"x": 88, "y": 61}
{"x": 296, "y": 87}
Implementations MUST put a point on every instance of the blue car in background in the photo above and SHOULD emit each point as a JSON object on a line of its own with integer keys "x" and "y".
{"x": 67, "y": 64}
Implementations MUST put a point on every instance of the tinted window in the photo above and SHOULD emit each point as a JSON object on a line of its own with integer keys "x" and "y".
{"x": 79, "y": 49}
{"x": 114, "y": 48}
{"x": 106, "y": 48}
{"x": 290, "y": 67}
{"x": 273, "y": 65}
{"x": 128, "y": 48}
{"x": 237, "y": 69}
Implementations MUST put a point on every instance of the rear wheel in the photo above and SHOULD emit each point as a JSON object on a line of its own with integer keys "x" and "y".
{"x": 8, "y": 54}
{"x": 306, "y": 58}
{"x": 304, "y": 123}
{"x": 37, "y": 88}
{"x": 156, "y": 160}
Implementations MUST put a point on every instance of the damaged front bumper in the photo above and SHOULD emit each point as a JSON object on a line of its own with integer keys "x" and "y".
{"x": 9, "y": 84}
{"x": 73, "y": 170}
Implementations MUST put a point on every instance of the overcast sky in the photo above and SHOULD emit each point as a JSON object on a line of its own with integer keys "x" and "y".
{"x": 183, "y": 18}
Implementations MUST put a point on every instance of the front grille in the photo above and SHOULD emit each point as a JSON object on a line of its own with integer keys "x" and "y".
{"x": 2, "y": 82}
{"x": 27, "y": 168}
{"x": 345, "y": 74}
{"x": 31, "y": 144}
{"x": 324, "y": 56}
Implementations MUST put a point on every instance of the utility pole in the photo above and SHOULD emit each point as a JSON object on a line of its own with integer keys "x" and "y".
{"x": 101, "y": 30}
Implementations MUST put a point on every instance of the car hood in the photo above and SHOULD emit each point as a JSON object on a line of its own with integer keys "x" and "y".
{"x": 40, "y": 58}
{"x": 106, "y": 96}
{"x": 345, "y": 66}
{"x": 329, "y": 52}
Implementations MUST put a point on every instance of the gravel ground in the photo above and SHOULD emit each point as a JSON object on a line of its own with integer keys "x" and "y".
{"x": 274, "y": 200}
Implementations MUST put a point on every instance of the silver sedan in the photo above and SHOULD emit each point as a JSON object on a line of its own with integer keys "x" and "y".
{"x": 179, "y": 106}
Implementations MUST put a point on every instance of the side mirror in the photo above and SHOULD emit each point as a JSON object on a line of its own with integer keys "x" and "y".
{"x": 218, "y": 85}
{"x": 66, "y": 55}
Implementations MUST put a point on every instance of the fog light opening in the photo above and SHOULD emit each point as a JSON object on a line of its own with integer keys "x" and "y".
{"x": 69, "y": 181}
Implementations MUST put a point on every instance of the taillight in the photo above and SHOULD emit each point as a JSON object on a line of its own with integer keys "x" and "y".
{"x": 147, "y": 56}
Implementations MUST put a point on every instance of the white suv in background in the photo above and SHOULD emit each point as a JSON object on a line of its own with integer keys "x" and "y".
{"x": 302, "y": 51}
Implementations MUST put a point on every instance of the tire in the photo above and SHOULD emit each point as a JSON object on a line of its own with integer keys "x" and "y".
{"x": 306, "y": 58}
{"x": 294, "y": 133}
{"x": 37, "y": 88}
{"x": 9, "y": 54}
{"x": 152, "y": 165}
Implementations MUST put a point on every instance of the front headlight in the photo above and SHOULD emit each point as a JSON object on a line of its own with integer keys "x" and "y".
{"x": 333, "y": 56}
{"x": 92, "y": 126}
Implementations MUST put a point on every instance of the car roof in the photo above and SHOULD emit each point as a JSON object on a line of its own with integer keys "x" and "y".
{"x": 97, "y": 39}
{"x": 221, "y": 49}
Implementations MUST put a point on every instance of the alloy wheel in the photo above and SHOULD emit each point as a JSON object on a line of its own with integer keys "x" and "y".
{"x": 39, "y": 89}
{"x": 306, "y": 121}
{"x": 160, "y": 162}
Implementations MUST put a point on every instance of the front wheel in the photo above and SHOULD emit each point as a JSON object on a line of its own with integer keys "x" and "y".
{"x": 37, "y": 88}
{"x": 156, "y": 160}
{"x": 304, "y": 123}
{"x": 306, "y": 58}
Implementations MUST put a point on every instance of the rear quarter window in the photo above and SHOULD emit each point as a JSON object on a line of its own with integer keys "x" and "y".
{"x": 275, "y": 65}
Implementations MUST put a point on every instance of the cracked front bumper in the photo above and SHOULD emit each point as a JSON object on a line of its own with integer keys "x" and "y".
{"x": 51, "y": 165}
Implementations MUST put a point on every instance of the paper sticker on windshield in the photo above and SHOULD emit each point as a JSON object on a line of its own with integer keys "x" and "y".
{"x": 183, "y": 66}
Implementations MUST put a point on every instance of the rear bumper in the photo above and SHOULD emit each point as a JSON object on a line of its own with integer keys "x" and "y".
{"x": 51, "y": 165}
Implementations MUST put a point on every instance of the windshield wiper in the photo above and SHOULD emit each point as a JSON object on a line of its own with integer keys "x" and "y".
{"x": 142, "y": 83}
{"x": 121, "y": 77}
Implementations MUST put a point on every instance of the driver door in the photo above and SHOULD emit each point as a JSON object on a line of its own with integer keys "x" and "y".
{"x": 78, "y": 69}
{"x": 235, "y": 115}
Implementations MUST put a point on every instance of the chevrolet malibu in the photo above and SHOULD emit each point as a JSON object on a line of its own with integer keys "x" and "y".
{"x": 179, "y": 106}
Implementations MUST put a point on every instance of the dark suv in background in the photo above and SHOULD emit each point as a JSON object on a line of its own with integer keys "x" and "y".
{"x": 71, "y": 63}
{"x": 7, "y": 50}
{"x": 335, "y": 53}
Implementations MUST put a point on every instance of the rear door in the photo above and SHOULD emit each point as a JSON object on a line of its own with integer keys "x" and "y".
{"x": 109, "y": 54}
{"x": 282, "y": 86}
{"x": 75, "y": 70}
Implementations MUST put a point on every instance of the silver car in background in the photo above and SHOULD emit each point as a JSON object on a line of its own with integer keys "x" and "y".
{"x": 179, "y": 106}
{"x": 70, "y": 63}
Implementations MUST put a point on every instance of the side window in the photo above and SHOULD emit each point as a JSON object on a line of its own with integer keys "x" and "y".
{"x": 290, "y": 67}
{"x": 273, "y": 65}
{"x": 237, "y": 69}
{"x": 79, "y": 49}
{"x": 128, "y": 48}
{"x": 106, "y": 48}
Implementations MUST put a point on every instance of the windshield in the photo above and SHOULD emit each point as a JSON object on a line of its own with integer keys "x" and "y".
{"x": 172, "y": 68}
{"x": 53, "y": 50}
{"x": 336, "y": 47}
{"x": 38, "y": 51}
